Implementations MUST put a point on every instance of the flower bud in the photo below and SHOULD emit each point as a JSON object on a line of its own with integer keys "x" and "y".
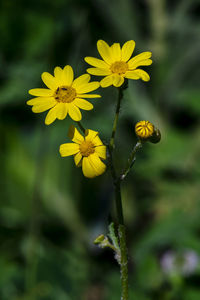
{"x": 146, "y": 131}
{"x": 99, "y": 239}
{"x": 156, "y": 136}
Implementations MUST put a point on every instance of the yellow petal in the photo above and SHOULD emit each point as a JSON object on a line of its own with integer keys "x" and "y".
{"x": 127, "y": 50}
{"x": 52, "y": 115}
{"x": 50, "y": 81}
{"x": 139, "y": 57}
{"x": 88, "y": 87}
{"x": 138, "y": 74}
{"x": 75, "y": 135}
{"x": 90, "y": 134}
{"x": 88, "y": 96}
{"x": 62, "y": 111}
{"x": 87, "y": 168}
{"x": 83, "y": 79}
{"x": 99, "y": 72}
{"x": 58, "y": 73}
{"x": 132, "y": 75}
{"x": 92, "y": 166}
{"x": 116, "y": 51}
{"x": 43, "y": 107}
{"x": 83, "y": 104}
{"x": 97, "y": 142}
{"x": 68, "y": 149}
{"x": 107, "y": 81}
{"x": 142, "y": 74}
{"x": 67, "y": 75}
{"x": 78, "y": 159}
{"x": 145, "y": 62}
{"x": 41, "y": 92}
{"x": 118, "y": 80}
{"x": 101, "y": 151}
{"x": 97, "y": 164}
{"x": 95, "y": 62}
{"x": 41, "y": 100}
{"x": 74, "y": 112}
{"x": 104, "y": 51}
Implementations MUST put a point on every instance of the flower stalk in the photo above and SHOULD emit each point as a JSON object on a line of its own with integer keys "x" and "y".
{"x": 80, "y": 126}
{"x": 122, "y": 242}
{"x": 112, "y": 140}
{"x": 131, "y": 159}
{"x": 123, "y": 262}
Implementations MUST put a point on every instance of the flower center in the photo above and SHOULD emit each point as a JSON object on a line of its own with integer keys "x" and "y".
{"x": 86, "y": 148}
{"x": 119, "y": 67}
{"x": 65, "y": 94}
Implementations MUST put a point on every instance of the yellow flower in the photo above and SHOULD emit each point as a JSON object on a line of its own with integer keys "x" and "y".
{"x": 144, "y": 129}
{"x": 88, "y": 151}
{"x": 64, "y": 95}
{"x": 117, "y": 65}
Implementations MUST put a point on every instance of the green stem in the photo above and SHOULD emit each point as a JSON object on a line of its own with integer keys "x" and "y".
{"x": 122, "y": 242}
{"x": 118, "y": 200}
{"x": 124, "y": 262}
{"x": 120, "y": 96}
{"x": 81, "y": 126}
{"x": 131, "y": 159}
{"x": 117, "y": 185}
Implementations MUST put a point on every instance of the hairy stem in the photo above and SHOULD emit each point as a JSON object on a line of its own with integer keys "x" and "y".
{"x": 122, "y": 241}
{"x": 81, "y": 126}
{"x": 118, "y": 201}
{"x": 131, "y": 159}
{"x": 124, "y": 262}
{"x": 120, "y": 96}
{"x": 117, "y": 185}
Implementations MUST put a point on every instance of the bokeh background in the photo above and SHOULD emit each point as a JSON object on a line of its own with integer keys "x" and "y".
{"x": 49, "y": 213}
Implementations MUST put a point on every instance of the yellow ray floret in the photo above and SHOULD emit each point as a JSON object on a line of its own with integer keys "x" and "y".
{"x": 117, "y": 64}
{"x": 65, "y": 95}
{"x": 88, "y": 151}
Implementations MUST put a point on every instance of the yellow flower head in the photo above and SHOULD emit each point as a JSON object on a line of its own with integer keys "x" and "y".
{"x": 64, "y": 95}
{"x": 88, "y": 151}
{"x": 144, "y": 129}
{"x": 117, "y": 65}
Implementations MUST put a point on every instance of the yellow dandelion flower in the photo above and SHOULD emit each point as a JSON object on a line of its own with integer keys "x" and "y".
{"x": 88, "y": 151}
{"x": 117, "y": 63}
{"x": 144, "y": 129}
{"x": 64, "y": 95}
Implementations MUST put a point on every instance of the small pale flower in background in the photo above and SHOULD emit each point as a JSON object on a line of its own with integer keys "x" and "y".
{"x": 64, "y": 95}
{"x": 184, "y": 263}
{"x": 117, "y": 63}
{"x": 88, "y": 151}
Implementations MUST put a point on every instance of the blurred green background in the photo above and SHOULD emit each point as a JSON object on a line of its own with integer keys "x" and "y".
{"x": 49, "y": 213}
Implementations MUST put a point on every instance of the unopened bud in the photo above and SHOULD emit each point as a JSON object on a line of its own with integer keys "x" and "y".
{"x": 146, "y": 131}
{"x": 99, "y": 239}
{"x": 156, "y": 136}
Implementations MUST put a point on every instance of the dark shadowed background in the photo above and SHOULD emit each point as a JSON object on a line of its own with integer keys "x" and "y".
{"x": 49, "y": 213}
